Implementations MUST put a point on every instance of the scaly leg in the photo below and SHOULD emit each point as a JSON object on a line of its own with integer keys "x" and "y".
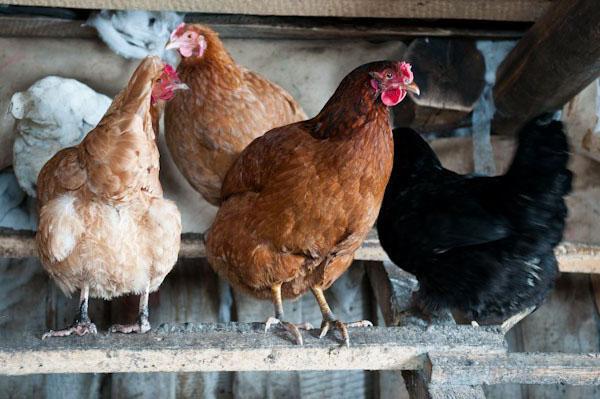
{"x": 329, "y": 319}
{"x": 278, "y": 319}
{"x": 143, "y": 325}
{"x": 82, "y": 324}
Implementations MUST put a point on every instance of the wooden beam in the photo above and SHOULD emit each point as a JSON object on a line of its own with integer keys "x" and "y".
{"x": 555, "y": 60}
{"x": 572, "y": 257}
{"x": 269, "y": 27}
{"x": 21, "y": 244}
{"x": 518, "y": 368}
{"x": 238, "y": 347}
{"x": 498, "y": 10}
{"x": 450, "y": 74}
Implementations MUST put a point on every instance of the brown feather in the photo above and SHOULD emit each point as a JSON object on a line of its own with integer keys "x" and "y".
{"x": 299, "y": 201}
{"x": 227, "y": 107}
{"x": 103, "y": 220}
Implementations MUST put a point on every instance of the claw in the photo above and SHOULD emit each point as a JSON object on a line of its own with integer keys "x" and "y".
{"x": 289, "y": 327}
{"x": 343, "y": 328}
{"x": 80, "y": 329}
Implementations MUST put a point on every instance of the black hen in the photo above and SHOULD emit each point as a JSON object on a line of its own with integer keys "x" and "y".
{"x": 481, "y": 245}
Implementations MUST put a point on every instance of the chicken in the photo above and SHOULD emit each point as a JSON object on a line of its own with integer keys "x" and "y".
{"x": 136, "y": 34}
{"x": 479, "y": 245}
{"x": 299, "y": 201}
{"x": 227, "y": 107}
{"x": 105, "y": 228}
{"x": 52, "y": 114}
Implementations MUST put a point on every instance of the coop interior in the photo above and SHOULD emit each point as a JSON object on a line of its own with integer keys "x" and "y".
{"x": 484, "y": 69}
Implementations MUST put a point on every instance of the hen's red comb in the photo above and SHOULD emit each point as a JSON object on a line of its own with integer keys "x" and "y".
{"x": 170, "y": 72}
{"x": 405, "y": 71}
{"x": 178, "y": 31}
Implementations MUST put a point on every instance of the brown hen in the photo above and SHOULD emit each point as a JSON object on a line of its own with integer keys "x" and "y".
{"x": 227, "y": 107}
{"x": 299, "y": 201}
{"x": 105, "y": 228}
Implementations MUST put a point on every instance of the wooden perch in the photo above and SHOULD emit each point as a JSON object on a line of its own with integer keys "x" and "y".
{"x": 572, "y": 257}
{"x": 239, "y": 347}
{"x": 450, "y": 74}
{"x": 518, "y": 368}
{"x": 556, "y": 59}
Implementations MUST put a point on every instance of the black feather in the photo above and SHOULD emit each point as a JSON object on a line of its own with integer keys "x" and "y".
{"x": 481, "y": 245}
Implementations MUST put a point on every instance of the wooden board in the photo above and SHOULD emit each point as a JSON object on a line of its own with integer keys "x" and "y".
{"x": 229, "y": 347}
{"x": 521, "y": 368}
{"x": 572, "y": 257}
{"x": 555, "y": 60}
{"x": 270, "y": 27}
{"x": 498, "y": 10}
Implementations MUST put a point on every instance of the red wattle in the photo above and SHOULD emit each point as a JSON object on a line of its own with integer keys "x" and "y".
{"x": 392, "y": 97}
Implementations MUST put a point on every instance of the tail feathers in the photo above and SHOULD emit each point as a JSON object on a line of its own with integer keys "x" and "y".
{"x": 540, "y": 163}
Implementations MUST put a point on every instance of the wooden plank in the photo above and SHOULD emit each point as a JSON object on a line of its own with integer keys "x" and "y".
{"x": 239, "y": 347}
{"x": 572, "y": 257}
{"x": 555, "y": 60}
{"x": 566, "y": 322}
{"x": 269, "y": 27}
{"x": 520, "y": 368}
{"x": 498, "y": 10}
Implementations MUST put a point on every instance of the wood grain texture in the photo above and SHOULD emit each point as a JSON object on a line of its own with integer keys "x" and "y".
{"x": 521, "y": 368}
{"x": 271, "y": 27}
{"x": 499, "y": 10}
{"x": 556, "y": 59}
{"x": 209, "y": 347}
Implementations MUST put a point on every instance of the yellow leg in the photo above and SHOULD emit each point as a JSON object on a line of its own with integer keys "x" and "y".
{"x": 278, "y": 319}
{"x": 329, "y": 319}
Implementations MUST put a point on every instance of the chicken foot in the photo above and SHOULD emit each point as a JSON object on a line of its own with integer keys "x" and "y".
{"x": 293, "y": 329}
{"x": 82, "y": 324}
{"x": 143, "y": 325}
{"x": 330, "y": 321}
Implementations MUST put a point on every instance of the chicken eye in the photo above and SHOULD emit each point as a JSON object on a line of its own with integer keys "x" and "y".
{"x": 389, "y": 75}
{"x": 189, "y": 35}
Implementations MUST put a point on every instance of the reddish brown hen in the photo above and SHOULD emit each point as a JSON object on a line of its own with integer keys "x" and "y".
{"x": 227, "y": 107}
{"x": 105, "y": 228}
{"x": 299, "y": 201}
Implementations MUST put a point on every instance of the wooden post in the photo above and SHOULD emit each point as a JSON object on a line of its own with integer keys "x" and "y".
{"x": 556, "y": 59}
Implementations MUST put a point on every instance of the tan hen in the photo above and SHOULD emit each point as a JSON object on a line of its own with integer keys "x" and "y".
{"x": 105, "y": 228}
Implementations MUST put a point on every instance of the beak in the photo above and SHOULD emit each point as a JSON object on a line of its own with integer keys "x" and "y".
{"x": 172, "y": 45}
{"x": 181, "y": 86}
{"x": 413, "y": 88}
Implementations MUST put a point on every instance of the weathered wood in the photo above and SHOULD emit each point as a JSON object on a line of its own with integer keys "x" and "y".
{"x": 241, "y": 347}
{"x": 499, "y": 10}
{"x": 521, "y": 368}
{"x": 419, "y": 386}
{"x": 566, "y": 322}
{"x": 393, "y": 289}
{"x": 450, "y": 74}
{"x": 555, "y": 60}
{"x": 270, "y": 27}
{"x": 349, "y": 300}
{"x": 572, "y": 257}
